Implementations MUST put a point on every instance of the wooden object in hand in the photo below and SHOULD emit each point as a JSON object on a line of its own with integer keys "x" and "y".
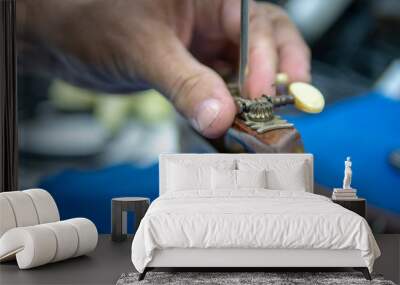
{"x": 242, "y": 139}
{"x": 257, "y": 129}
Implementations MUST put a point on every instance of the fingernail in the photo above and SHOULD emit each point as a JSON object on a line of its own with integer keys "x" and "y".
{"x": 206, "y": 114}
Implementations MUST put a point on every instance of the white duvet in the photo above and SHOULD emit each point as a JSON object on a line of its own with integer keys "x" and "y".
{"x": 250, "y": 219}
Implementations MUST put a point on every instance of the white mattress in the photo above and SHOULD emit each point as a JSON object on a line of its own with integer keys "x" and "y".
{"x": 256, "y": 218}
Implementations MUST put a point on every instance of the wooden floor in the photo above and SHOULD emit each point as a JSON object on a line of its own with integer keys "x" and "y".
{"x": 110, "y": 260}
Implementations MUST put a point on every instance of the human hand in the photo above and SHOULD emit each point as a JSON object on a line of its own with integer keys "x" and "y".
{"x": 174, "y": 45}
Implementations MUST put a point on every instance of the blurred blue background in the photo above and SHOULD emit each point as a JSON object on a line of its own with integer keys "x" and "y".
{"x": 367, "y": 129}
{"x": 86, "y": 146}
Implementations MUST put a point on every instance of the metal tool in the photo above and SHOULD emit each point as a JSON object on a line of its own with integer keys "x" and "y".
{"x": 244, "y": 43}
{"x": 259, "y": 114}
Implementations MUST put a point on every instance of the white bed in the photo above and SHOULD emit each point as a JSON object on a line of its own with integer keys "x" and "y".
{"x": 198, "y": 223}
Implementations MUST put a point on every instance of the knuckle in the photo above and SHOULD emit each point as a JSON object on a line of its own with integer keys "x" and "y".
{"x": 275, "y": 11}
{"x": 182, "y": 87}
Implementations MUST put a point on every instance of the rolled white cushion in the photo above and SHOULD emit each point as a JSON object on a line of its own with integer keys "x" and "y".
{"x": 45, "y": 205}
{"x": 67, "y": 240}
{"x": 87, "y": 235}
{"x": 33, "y": 246}
{"x": 23, "y": 208}
{"x": 37, "y": 245}
{"x": 7, "y": 218}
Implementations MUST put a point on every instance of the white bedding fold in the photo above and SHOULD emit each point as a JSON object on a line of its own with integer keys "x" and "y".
{"x": 250, "y": 219}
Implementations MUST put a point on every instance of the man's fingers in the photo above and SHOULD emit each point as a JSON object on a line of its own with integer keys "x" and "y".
{"x": 263, "y": 56}
{"x": 202, "y": 96}
{"x": 294, "y": 54}
{"x": 275, "y": 46}
{"x": 195, "y": 90}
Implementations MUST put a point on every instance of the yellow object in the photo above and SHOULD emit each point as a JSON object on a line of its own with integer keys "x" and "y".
{"x": 307, "y": 98}
{"x": 112, "y": 110}
{"x": 151, "y": 106}
{"x": 67, "y": 97}
{"x": 282, "y": 78}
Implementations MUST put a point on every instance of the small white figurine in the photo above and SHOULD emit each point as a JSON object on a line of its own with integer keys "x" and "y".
{"x": 348, "y": 173}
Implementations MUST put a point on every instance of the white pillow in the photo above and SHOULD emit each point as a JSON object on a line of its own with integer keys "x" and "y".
{"x": 188, "y": 177}
{"x": 282, "y": 174}
{"x": 223, "y": 179}
{"x": 251, "y": 178}
{"x": 292, "y": 179}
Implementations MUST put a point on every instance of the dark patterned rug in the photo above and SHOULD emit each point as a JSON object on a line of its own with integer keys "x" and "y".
{"x": 269, "y": 278}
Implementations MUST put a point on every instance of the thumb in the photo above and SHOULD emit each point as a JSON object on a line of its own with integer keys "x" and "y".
{"x": 195, "y": 90}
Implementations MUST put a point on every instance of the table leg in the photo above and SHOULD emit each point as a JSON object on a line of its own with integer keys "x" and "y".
{"x": 118, "y": 226}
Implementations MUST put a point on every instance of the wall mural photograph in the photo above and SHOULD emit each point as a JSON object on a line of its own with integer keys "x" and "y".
{"x": 166, "y": 134}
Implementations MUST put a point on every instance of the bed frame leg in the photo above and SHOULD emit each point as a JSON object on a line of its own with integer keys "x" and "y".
{"x": 143, "y": 274}
{"x": 364, "y": 271}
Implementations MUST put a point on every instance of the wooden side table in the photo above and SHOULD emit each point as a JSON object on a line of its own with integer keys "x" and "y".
{"x": 119, "y": 209}
{"x": 358, "y": 206}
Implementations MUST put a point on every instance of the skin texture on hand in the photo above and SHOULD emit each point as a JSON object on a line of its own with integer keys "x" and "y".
{"x": 175, "y": 46}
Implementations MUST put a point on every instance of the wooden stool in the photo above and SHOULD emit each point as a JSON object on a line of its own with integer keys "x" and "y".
{"x": 119, "y": 209}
